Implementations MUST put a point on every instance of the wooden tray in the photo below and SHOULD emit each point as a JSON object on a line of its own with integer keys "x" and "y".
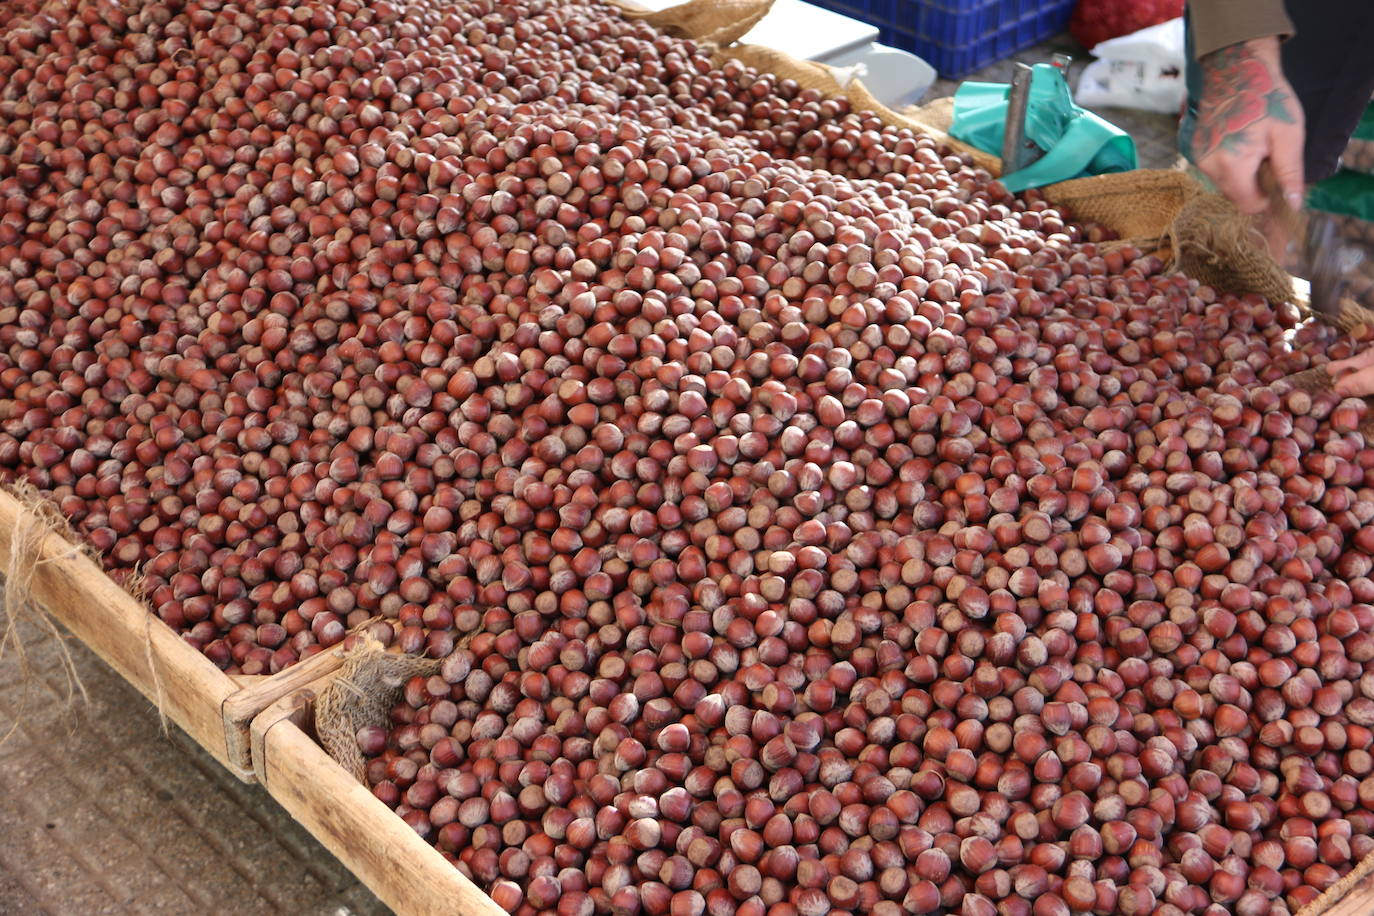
{"x": 209, "y": 705}
{"x": 405, "y": 872}
{"x": 411, "y": 877}
{"x": 1353, "y": 895}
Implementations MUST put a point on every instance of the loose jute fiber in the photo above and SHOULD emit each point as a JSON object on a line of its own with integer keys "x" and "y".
{"x": 367, "y": 686}
{"x": 31, "y": 537}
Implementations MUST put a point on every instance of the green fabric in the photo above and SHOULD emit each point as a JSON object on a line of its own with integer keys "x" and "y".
{"x": 1365, "y": 129}
{"x": 1346, "y": 193}
{"x": 1077, "y": 143}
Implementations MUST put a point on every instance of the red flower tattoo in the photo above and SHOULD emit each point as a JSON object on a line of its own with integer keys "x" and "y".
{"x": 1239, "y": 91}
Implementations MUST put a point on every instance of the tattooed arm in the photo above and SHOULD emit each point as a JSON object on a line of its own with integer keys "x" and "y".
{"x": 1247, "y": 114}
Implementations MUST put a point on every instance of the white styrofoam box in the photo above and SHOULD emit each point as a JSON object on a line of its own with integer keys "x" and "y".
{"x": 800, "y": 29}
{"x": 894, "y": 76}
{"x": 809, "y": 32}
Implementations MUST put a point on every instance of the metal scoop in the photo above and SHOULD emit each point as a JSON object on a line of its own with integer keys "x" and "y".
{"x": 1314, "y": 237}
{"x": 1322, "y": 253}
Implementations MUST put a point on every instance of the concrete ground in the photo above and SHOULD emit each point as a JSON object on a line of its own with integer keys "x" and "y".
{"x": 101, "y": 812}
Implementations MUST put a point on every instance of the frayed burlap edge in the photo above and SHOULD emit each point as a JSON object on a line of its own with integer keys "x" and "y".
{"x": 1352, "y": 318}
{"x": 1139, "y": 206}
{"x": 836, "y": 83}
{"x": 1216, "y": 244}
{"x": 362, "y": 694}
{"x": 1210, "y": 240}
{"x": 35, "y": 523}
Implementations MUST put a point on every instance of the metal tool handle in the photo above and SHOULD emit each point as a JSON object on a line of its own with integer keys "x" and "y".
{"x": 1014, "y": 133}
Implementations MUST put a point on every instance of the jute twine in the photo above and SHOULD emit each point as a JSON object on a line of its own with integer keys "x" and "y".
{"x": 36, "y": 522}
{"x": 368, "y": 684}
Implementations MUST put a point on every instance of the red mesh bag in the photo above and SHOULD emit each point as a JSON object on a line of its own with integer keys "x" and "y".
{"x": 1097, "y": 20}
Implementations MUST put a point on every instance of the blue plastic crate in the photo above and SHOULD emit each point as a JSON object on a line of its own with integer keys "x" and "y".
{"x": 959, "y": 36}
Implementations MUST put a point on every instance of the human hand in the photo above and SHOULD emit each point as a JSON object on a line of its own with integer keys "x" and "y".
{"x": 1354, "y": 375}
{"x": 1248, "y": 115}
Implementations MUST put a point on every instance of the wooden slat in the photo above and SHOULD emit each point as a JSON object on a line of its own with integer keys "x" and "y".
{"x": 214, "y": 708}
{"x": 298, "y": 707}
{"x": 166, "y": 669}
{"x": 1353, "y": 895}
{"x": 404, "y": 871}
{"x": 240, "y": 709}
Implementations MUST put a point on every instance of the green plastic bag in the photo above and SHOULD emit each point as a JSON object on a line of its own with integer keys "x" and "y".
{"x": 1077, "y": 143}
{"x": 1359, "y": 152}
{"x": 1346, "y": 193}
{"x": 1365, "y": 129}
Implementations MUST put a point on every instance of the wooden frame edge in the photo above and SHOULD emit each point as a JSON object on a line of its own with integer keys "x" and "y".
{"x": 396, "y": 864}
{"x": 72, "y": 588}
{"x": 241, "y": 709}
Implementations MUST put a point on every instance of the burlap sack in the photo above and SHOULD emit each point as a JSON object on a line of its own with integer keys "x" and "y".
{"x": 1353, "y": 318}
{"x": 720, "y": 22}
{"x": 1211, "y": 241}
{"x": 367, "y": 686}
{"x": 938, "y": 113}
{"x": 1138, "y": 206}
{"x": 807, "y": 73}
{"x": 1216, "y": 244}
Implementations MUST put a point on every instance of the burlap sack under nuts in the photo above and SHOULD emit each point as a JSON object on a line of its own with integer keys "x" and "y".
{"x": 1138, "y": 206}
{"x": 807, "y": 74}
{"x": 825, "y": 79}
{"x": 719, "y": 22}
{"x": 368, "y": 684}
{"x": 1211, "y": 241}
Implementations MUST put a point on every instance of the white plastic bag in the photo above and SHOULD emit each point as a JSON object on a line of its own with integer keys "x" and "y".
{"x": 1141, "y": 70}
